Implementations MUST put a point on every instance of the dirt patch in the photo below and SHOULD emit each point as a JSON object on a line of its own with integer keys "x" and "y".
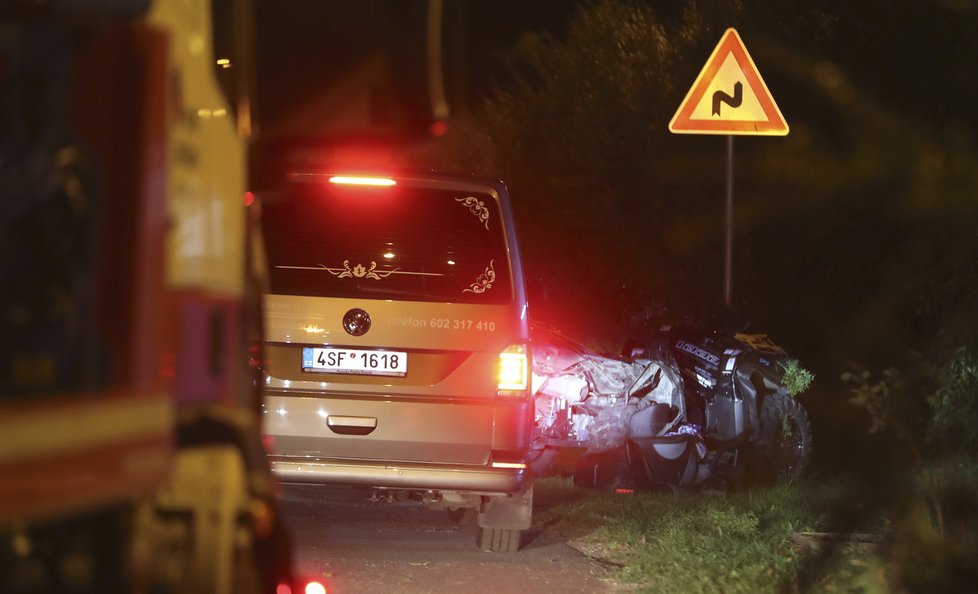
{"x": 361, "y": 547}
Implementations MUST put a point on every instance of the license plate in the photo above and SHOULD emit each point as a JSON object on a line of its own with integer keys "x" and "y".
{"x": 355, "y": 361}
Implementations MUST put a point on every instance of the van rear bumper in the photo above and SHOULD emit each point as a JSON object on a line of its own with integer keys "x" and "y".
{"x": 402, "y": 476}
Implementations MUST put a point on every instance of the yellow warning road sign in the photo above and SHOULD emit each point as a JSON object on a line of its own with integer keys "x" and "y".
{"x": 729, "y": 96}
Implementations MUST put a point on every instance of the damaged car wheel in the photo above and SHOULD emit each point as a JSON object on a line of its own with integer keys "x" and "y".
{"x": 786, "y": 437}
{"x": 542, "y": 461}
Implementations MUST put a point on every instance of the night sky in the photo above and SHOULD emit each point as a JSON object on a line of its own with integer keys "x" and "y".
{"x": 303, "y": 46}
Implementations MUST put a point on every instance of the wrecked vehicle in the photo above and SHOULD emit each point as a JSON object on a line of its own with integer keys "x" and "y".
{"x": 610, "y": 408}
{"x": 681, "y": 409}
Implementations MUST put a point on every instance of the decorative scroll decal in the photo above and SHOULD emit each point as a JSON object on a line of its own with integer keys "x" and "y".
{"x": 476, "y": 207}
{"x": 360, "y": 271}
{"x": 484, "y": 281}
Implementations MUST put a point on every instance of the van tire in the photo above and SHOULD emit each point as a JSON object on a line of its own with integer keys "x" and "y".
{"x": 498, "y": 540}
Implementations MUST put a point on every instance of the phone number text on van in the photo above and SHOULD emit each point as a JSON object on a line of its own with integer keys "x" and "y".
{"x": 444, "y": 324}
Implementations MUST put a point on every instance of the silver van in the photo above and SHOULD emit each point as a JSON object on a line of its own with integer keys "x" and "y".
{"x": 396, "y": 352}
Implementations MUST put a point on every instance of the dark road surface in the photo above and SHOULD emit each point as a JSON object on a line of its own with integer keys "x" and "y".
{"x": 356, "y": 546}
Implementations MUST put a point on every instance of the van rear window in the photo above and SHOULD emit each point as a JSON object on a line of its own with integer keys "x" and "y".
{"x": 395, "y": 242}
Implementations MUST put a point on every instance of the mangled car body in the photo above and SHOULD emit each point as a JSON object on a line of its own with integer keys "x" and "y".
{"x": 678, "y": 410}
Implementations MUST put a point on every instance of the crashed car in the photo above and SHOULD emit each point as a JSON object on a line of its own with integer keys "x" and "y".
{"x": 683, "y": 408}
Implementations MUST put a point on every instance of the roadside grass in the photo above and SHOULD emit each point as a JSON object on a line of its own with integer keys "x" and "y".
{"x": 697, "y": 542}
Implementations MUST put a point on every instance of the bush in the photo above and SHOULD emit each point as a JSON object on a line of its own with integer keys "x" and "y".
{"x": 955, "y": 404}
{"x": 796, "y": 378}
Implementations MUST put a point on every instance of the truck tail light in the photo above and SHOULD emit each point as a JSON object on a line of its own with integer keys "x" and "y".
{"x": 513, "y": 371}
{"x": 263, "y": 517}
{"x": 255, "y": 356}
{"x": 305, "y": 587}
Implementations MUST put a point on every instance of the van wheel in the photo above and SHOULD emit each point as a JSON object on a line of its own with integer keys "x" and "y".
{"x": 498, "y": 540}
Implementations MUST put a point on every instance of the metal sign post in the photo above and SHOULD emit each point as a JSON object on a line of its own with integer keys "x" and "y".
{"x": 728, "y": 229}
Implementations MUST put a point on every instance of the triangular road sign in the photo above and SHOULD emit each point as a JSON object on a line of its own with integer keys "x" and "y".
{"x": 729, "y": 97}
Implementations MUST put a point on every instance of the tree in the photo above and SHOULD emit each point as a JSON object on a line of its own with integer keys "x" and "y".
{"x": 580, "y": 134}
{"x": 827, "y": 219}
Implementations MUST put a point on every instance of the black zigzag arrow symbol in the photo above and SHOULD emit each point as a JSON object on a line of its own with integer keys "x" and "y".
{"x": 733, "y": 101}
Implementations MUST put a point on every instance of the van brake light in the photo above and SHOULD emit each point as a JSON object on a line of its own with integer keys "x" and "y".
{"x": 513, "y": 369}
{"x": 362, "y": 181}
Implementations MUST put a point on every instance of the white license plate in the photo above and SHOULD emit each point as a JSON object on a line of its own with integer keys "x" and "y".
{"x": 356, "y": 361}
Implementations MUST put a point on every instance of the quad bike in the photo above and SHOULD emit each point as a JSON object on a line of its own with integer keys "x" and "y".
{"x": 736, "y": 389}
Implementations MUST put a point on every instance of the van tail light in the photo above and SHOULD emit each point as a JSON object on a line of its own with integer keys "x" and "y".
{"x": 514, "y": 371}
{"x": 509, "y": 465}
{"x": 356, "y": 180}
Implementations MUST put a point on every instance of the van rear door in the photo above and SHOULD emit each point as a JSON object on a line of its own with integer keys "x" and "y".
{"x": 391, "y": 312}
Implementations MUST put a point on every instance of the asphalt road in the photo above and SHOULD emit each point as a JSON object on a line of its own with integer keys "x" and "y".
{"x": 355, "y": 546}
